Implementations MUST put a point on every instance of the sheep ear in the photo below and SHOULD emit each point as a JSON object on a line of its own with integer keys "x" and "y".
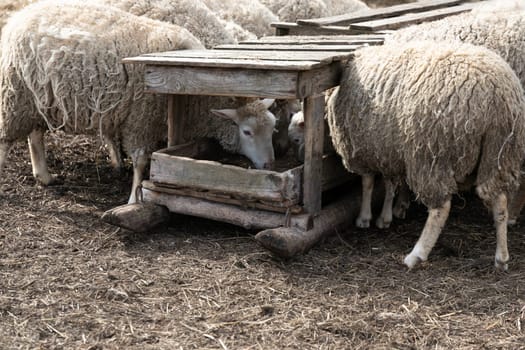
{"x": 230, "y": 114}
{"x": 267, "y": 102}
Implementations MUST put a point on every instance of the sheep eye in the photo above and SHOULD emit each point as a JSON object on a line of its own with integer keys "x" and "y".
{"x": 247, "y": 132}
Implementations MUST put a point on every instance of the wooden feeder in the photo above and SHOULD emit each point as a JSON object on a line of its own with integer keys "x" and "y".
{"x": 286, "y": 204}
{"x": 188, "y": 179}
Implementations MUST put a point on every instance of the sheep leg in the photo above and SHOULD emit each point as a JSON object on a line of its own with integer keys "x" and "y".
{"x": 516, "y": 203}
{"x": 38, "y": 157}
{"x": 385, "y": 218}
{"x": 365, "y": 214}
{"x": 4, "y": 149}
{"x": 435, "y": 221}
{"x": 114, "y": 154}
{"x": 500, "y": 215}
{"x": 140, "y": 161}
{"x": 402, "y": 201}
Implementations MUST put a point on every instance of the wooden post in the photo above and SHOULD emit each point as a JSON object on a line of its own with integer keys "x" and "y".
{"x": 176, "y": 110}
{"x": 290, "y": 241}
{"x": 313, "y": 152}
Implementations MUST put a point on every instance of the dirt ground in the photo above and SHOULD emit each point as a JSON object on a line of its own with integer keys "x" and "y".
{"x": 70, "y": 281}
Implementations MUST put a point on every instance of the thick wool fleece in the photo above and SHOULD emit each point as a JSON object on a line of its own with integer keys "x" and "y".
{"x": 433, "y": 114}
{"x": 192, "y": 15}
{"x": 292, "y": 10}
{"x": 497, "y": 25}
{"x": 341, "y": 7}
{"x": 61, "y": 68}
{"x": 249, "y": 14}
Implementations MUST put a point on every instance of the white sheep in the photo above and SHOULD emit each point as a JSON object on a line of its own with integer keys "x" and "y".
{"x": 340, "y": 7}
{"x": 497, "y": 25}
{"x": 432, "y": 115}
{"x": 296, "y": 135}
{"x": 192, "y": 15}
{"x": 236, "y": 31}
{"x": 8, "y": 7}
{"x": 292, "y": 10}
{"x": 249, "y": 14}
{"x": 61, "y": 69}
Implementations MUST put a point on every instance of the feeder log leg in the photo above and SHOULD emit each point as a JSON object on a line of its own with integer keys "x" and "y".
{"x": 313, "y": 153}
{"x": 290, "y": 241}
{"x": 138, "y": 217}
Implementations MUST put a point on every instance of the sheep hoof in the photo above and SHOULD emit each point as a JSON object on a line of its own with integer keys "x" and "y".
{"x": 381, "y": 223}
{"x": 48, "y": 180}
{"x": 399, "y": 213}
{"x": 411, "y": 260}
{"x": 362, "y": 223}
{"x": 501, "y": 265}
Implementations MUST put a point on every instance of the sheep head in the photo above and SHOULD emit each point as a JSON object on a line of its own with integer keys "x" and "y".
{"x": 256, "y": 125}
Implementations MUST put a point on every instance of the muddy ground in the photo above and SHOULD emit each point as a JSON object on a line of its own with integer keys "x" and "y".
{"x": 70, "y": 281}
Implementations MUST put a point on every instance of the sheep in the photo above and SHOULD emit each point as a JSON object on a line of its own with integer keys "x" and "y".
{"x": 431, "y": 115}
{"x": 292, "y": 10}
{"x": 499, "y": 26}
{"x": 249, "y": 14}
{"x": 340, "y": 7}
{"x": 249, "y": 132}
{"x": 236, "y": 31}
{"x": 61, "y": 68}
{"x": 296, "y": 136}
{"x": 192, "y": 15}
{"x": 9, "y": 6}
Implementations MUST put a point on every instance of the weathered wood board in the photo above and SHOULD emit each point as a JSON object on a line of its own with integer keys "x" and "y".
{"x": 297, "y": 48}
{"x": 379, "y": 13}
{"x": 371, "y": 39}
{"x": 232, "y": 214}
{"x": 411, "y": 18}
{"x": 255, "y": 83}
{"x": 177, "y": 168}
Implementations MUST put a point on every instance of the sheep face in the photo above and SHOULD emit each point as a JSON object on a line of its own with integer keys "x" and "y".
{"x": 296, "y": 129}
{"x": 256, "y": 125}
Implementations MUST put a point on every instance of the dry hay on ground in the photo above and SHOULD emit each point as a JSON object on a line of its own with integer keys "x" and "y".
{"x": 70, "y": 281}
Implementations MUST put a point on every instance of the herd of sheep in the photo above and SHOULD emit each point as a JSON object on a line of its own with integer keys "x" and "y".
{"x": 439, "y": 107}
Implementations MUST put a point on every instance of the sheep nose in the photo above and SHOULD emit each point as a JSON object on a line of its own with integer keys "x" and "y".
{"x": 268, "y": 166}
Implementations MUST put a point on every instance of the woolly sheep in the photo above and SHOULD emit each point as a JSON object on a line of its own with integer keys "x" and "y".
{"x": 8, "y": 6}
{"x": 497, "y": 25}
{"x": 296, "y": 136}
{"x": 236, "y": 31}
{"x": 431, "y": 115}
{"x": 340, "y": 7}
{"x": 292, "y": 10}
{"x": 61, "y": 68}
{"x": 249, "y": 14}
{"x": 192, "y": 15}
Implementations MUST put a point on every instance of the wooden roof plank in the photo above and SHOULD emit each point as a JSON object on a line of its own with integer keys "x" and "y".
{"x": 411, "y": 18}
{"x": 244, "y": 54}
{"x": 318, "y": 40}
{"x": 296, "y": 29}
{"x": 225, "y": 63}
{"x": 298, "y": 48}
{"x": 390, "y": 11}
